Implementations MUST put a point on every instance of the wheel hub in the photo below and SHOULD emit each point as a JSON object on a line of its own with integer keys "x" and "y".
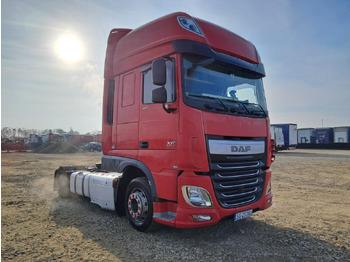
{"x": 137, "y": 205}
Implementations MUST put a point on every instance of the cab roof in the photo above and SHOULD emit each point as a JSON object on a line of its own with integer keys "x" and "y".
{"x": 164, "y": 30}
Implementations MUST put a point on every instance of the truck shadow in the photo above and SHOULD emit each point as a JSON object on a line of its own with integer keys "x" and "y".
{"x": 246, "y": 240}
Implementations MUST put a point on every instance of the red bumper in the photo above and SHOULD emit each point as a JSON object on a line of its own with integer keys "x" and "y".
{"x": 183, "y": 213}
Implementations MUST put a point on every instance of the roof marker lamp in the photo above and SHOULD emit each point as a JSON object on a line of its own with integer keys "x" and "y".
{"x": 196, "y": 196}
{"x": 189, "y": 24}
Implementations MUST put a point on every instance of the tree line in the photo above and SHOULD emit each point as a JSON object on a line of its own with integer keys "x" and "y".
{"x": 7, "y": 132}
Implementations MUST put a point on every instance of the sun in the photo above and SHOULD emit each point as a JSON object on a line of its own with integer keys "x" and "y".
{"x": 69, "y": 48}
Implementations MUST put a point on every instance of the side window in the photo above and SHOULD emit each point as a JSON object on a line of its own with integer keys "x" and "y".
{"x": 169, "y": 86}
{"x": 110, "y": 102}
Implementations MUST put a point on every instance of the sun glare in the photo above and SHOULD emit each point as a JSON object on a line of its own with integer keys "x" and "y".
{"x": 69, "y": 48}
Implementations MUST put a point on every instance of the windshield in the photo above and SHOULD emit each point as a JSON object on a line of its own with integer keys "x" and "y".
{"x": 207, "y": 79}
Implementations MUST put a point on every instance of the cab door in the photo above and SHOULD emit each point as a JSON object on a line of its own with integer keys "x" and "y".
{"x": 158, "y": 131}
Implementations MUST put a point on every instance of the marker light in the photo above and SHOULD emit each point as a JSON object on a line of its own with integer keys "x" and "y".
{"x": 189, "y": 24}
{"x": 273, "y": 150}
{"x": 268, "y": 188}
{"x": 196, "y": 196}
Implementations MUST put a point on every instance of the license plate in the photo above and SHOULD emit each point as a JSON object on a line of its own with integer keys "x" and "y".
{"x": 243, "y": 215}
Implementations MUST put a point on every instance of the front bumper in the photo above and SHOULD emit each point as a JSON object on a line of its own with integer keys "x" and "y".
{"x": 184, "y": 214}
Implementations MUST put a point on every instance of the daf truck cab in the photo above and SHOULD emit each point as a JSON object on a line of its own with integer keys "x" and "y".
{"x": 185, "y": 133}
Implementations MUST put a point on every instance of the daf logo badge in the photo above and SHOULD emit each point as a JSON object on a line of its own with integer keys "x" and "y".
{"x": 240, "y": 148}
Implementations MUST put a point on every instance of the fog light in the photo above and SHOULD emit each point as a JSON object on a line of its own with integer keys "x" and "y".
{"x": 202, "y": 217}
{"x": 196, "y": 196}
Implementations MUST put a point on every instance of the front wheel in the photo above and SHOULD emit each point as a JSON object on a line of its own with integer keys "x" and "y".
{"x": 139, "y": 204}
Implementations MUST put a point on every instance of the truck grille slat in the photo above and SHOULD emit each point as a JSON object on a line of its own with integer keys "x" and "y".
{"x": 241, "y": 202}
{"x": 237, "y": 166}
{"x": 233, "y": 195}
{"x": 237, "y": 184}
{"x": 236, "y": 175}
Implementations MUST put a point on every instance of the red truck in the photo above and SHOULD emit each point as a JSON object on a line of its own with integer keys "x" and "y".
{"x": 185, "y": 132}
{"x": 14, "y": 144}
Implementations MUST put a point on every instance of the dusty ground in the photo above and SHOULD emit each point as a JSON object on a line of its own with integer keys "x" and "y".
{"x": 309, "y": 220}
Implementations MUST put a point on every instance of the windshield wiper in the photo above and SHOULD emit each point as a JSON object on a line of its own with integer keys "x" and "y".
{"x": 243, "y": 106}
{"x": 217, "y": 99}
{"x": 222, "y": 106}
{"x": 241, "y": 110}
{"x": 260, "y": 112}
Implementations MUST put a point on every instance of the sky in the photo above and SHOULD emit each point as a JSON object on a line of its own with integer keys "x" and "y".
{"x": 52, "y": 56}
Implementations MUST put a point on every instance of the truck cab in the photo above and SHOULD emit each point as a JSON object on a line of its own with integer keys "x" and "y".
{"x": 185, "y": 124}
{"x": 184, "y": 107}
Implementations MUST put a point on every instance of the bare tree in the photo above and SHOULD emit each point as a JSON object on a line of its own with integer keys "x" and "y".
{"x": 6, "y": 132}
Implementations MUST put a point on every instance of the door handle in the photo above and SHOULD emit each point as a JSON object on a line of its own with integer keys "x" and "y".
{"x": 144, "y": 144}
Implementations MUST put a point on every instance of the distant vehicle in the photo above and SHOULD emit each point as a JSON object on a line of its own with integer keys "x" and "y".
{"x": 290, "y": 134}
{"x": 14, "y": 144}
{"x": 342, "y": 134}
{"x": 324, "y": 135}
{"x": 93, "y": 146}
{"x": 277, "y": 135}
{"x": 324, "y": 138}
{"x": 306, "y": 136}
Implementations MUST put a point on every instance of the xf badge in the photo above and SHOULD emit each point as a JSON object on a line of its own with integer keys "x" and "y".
{"x": 171, "y": 144}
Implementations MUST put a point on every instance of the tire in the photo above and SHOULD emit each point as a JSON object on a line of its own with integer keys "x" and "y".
{"x": 63, "y": 185}
{"x": 139, "y": 204}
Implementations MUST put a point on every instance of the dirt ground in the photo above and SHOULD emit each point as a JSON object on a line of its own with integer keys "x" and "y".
{"x": 309, "y": 220}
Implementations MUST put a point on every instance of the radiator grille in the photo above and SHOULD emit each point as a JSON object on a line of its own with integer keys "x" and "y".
{"x": 238, "y": 183}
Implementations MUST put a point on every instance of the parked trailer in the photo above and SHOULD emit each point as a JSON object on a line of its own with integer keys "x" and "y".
{"x": 277, "y": 135}
{"x": 328, "y": 138}
{"x": 306, "y": 136}
{"x": 324, "y": 135}
{"x": 290, "y": 134}
{"x": 342, "y": 134}
{"x": 185, "y": 128}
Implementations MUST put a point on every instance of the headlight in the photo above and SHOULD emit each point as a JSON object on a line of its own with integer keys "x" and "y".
{"x": 196, "y": 196}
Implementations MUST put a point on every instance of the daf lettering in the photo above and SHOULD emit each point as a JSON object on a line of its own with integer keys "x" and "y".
{"x": 240, "y": 148}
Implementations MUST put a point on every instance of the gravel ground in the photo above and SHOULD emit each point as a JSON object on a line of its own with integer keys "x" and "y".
{"x": 309, "y": 220}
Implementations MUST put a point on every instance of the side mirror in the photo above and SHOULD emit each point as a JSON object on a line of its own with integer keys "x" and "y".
{"x": 159, "y": 95}
{"x": 159, "y": 72}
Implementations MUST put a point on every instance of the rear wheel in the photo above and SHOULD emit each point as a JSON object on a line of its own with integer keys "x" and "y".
{"x": 139, "y": 204}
